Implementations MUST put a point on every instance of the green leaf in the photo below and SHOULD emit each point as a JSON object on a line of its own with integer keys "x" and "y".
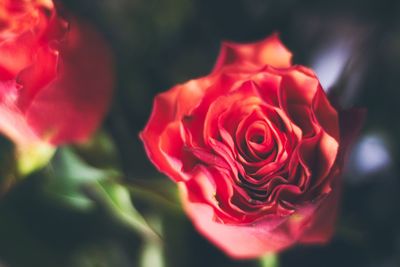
{"x": 99, "y": 151}
{"x": 116, "y": 199}
{"x": 80, "y": 186}
{"x": 67, "y": 177}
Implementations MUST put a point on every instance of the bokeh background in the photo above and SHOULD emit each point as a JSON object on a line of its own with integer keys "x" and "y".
{"x": 354, "y": 46}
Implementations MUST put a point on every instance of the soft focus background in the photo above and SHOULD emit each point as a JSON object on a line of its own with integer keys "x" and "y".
{"x": 72, "y": 215}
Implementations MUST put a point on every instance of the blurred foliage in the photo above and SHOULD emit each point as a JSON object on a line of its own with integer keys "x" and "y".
{"x": 96, "y": 204}
{"x": 67, "y": 177}
{"x": 74, "y": 183}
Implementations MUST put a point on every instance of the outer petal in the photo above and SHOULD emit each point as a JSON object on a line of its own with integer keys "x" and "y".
{"x": 322, "y": 225}
{"x": 238, "y": 241}
{"x": 326, "y": 115}
{"x": 301, "y": 88}
{"x": 70, "y": 108}
{"x": 37, "y": 76}
{"x": 25, "y": 21}
{"x": 16, "y": 55}
{"x": 298, "y": 86}
{"x": 269, "y": 51}
{"x": 168, "y": 108}
{"x": 312, "y": 223}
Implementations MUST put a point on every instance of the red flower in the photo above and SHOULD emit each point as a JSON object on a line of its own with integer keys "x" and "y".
{"x": 256, "y": 149}
{"x": 56, "y": 74}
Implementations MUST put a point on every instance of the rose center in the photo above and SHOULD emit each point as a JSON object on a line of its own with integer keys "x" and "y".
{"x": 258, "y": 139}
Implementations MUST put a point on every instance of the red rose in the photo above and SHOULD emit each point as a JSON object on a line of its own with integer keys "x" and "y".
{"x": 255, "y": 148}
{"x": 56, "y": 74}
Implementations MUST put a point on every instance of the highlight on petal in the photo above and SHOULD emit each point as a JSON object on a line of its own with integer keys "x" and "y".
{"x": 12, "y": 120}
{"x": 269, "y": 51}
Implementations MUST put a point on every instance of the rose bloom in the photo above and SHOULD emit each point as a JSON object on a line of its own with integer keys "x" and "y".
{"x": 256, "y": 149}
{"x": 56, "y": 74}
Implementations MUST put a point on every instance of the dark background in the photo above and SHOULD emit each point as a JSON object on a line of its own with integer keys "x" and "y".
{"x": 354, "y": 46}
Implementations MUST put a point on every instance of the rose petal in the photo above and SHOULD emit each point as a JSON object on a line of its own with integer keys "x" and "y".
{"x": 297, "y": 87}
{"x": 267, "y": 85}
{"x": 238, "y": 240}
{"x": 326, "y": 115}
{"x": 269, "y": 51}
{"x": 70, "y": 108}
{"x": 321, "y": 225}
{"x": 175, "y": 104}
{"x": 38, "y": 75}
{"x": 17, "y": 54}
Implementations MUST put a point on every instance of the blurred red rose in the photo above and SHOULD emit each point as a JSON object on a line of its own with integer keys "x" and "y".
{"x": 256, "y": 149}
{"x": 56, "y": 74}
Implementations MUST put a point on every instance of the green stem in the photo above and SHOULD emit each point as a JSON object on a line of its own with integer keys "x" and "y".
{"x": 269, "y": 260}
{"x": 152, "y": 252}
{"x": 157, "y": 193}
